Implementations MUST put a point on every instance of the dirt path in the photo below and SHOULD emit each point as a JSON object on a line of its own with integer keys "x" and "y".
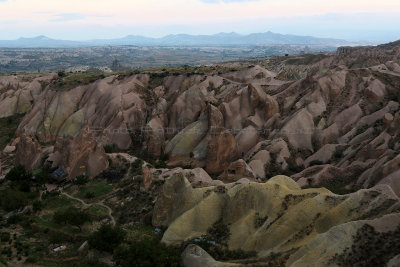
{"x": 86, "y": 205}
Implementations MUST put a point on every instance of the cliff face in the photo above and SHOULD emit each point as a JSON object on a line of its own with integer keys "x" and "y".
{"x": 335, "y": 124}
{"x": 339, "y": 120}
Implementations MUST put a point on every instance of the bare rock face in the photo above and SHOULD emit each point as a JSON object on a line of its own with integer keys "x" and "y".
{"x": 246, "y": 139}
{"x": 20, "y": 92}
{"x": 236, "y": 171}
{"x": 299, "y": 130}
{"x": 323, "y": 155}
{"x": 28, "y": 152}
{"x": 187, "y": 140}
{"x": 376, "y": 90}
{"x": 79, "y": 155}
{"x": 154, "y": 134}
{"x": 349, "y": 101}
{"x": 221, "y": 150}
{"x": 195, "y": 256}
{"x": 271, "y": 107}
{"x": 348, "y": 117}
{"x": 327, "y": 135}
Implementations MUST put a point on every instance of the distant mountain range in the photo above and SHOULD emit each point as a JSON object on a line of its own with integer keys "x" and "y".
{"x": 220, "y": 39}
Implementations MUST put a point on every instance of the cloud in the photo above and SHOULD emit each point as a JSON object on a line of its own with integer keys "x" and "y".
{"x": 67, "y": 17}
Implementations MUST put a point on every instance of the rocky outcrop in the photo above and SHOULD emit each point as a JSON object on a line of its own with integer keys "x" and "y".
{"x": 236, "y": 171}
{"x": 210, "y": 120}
{"x": 299, "y": 130}
{"x": 303, "y": 226}
{"x": 221, "y": 151}
{"x": 79, "y": 155}
{"x": 28, "y": 152}
{"x": 195, "y": 256}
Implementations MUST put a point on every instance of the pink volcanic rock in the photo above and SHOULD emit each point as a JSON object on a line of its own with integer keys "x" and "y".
{"x": 79, "y": 155}
{"x": 28, "y": 152}
{"x": 221, "y": 150}
{"x": 236, "y": 171}
{"x": 246, "y": 139}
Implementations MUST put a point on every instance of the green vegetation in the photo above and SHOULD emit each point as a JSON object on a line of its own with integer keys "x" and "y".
{"x": 147, "y": 252}
{"x": 67, "y": 81}
{"x": 55, "y": 201}
{"x": 8, "y": 126}
{"x": 72, "y": 216}
{"x": 98, "y": 211}
{"x": 306, "y": 59}
{"x": 81, "y": 179}
{"x": 106, "y": 238}
{"x": 219, "y": 232}
{"x": 11, "y": 199}
{"x": 370, "y": 248}
{"x": 94, "y": 190}
{"x": 19, "y": 174}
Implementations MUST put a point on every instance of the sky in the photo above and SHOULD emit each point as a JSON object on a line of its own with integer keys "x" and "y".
{"x": 354, "y": 20}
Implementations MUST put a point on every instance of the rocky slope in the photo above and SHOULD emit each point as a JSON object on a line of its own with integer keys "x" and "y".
{"x": 328, "y": 121}
{"x": 302, "y": 226}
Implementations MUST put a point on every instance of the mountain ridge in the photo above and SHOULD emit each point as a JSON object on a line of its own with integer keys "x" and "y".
{"x": 219, "y": 39}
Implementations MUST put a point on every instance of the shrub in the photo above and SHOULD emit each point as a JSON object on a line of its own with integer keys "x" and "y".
{"x": 14, "y": 219}
{"x": 5, "y": 237}
{"x": 219, "y": 232}
{"x": 89, "y": 195}
{"x": 19, "y": 173}
{"x": 106, "y": 238}
{"x": 37, "y": 205}
{"x": 72, "y": 216}
{"x": 32, "y": 259}
{"x": 12, "y": 199}
{"x": 61, "y": 74}
{"x": 147, "y": 252}
{"x": 81, "y": 179}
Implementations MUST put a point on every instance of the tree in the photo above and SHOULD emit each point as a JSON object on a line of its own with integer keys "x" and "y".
{"x": 72, "y": 216}
{"x": 81, "y": 179}
{"x": 12, "y": 199}
{"x": 19, "y": 174}
{"x": 147, "y": 252}
{"x": 106, "y": 238}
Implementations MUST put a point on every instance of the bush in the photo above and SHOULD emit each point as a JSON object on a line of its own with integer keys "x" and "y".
{"x": 37, "y": 205}
{"x": 5, "y": 237}
{"x": 12, "y": 200}
{"x": 32, "y": 259}
{"x": 81, "y": 180}
{"x": 147, "y": 252}
{"x": 89, "y": 195}
{"x": 61, "y": 74}
{"x": 14, "y": 219}
{"x": 18, "y": 174}
{"x": 106, "y": 238}
{"x": 72, "y": 216}
{"x": 219, "y": 232}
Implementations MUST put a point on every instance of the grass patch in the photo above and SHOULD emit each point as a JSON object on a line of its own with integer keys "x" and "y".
{"x": 96, "y": 190}
{"x": 59, "y": 201}
{"x": 139, "y": 231}
{"x": 98, "y": 211}
{"x": 47, "y": 222}
{"x": 69, "y": 81}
